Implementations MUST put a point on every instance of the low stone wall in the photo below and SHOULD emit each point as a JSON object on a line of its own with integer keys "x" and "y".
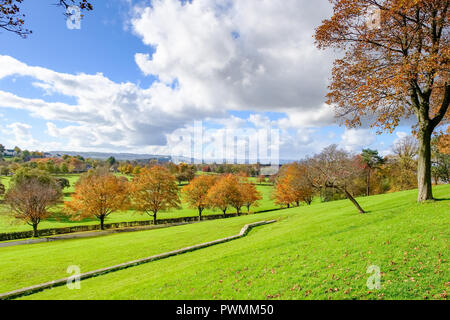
{"x": 117, "y": 225}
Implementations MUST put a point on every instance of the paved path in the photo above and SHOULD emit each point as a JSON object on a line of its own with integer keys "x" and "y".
{"x": 88, "y": 234}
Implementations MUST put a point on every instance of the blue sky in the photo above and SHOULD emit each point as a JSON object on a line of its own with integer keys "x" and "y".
{"x": 137, "y": 71}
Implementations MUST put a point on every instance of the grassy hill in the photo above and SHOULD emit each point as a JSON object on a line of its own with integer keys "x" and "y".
{"x": 316, "y": 252}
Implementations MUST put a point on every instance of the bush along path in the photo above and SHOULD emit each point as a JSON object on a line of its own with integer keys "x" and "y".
{"x": 36, "y": 288}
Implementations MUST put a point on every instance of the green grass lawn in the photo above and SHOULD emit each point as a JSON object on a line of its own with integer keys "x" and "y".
{"x": 58, "y": 220}
{"x": 316, "y": 252}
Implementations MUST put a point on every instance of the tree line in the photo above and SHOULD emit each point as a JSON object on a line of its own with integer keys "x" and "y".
{"x": 99, "y": 193}
{"x": 337, "y": 174}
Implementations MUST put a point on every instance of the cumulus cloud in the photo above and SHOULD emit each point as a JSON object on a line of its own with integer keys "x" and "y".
{"x": 107, "y": 114}
{"x": 356, "y": 139}
{"x": 244, "y": 55}
{"x": 21, "y": 131}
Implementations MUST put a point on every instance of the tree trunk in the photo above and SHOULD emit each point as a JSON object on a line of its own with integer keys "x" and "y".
{"x": 200, "y": 214}
{"x": 424, "y": 166}
{"x": 154, "y": 218}
{"x": 368, "y": 182}
{"x": 353, "y": 200}
{"x": 35, "y": 230}
{"x": 102, "y": 223}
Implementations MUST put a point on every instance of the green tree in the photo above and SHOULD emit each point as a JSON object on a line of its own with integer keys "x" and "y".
{"x": 111, "y": 160}
{"x": 64, "y": 167}
{"x": 371, "y": 160}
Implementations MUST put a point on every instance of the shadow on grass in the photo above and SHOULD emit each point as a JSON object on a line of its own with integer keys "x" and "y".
{"x": 440, "y": 199}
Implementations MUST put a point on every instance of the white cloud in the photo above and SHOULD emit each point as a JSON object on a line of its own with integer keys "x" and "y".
{"x": 21, "y": 131}
{"x": 271, "y": 64}
{"x": 401, "y": 134}
{"x": 356, "y": 139}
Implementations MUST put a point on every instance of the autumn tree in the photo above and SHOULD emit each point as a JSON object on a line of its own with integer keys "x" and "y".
{"x": 334, "y": 168}
{"x": 31, "y": 196}
{"x": 441, "y": 163}
{"x": 395, "y": 65}
{"x": 185, "y": 172}
{"x": 153, "y": 190}
{"x": 301, "y": 185}
{"x": 76, "y": 165}
{"x": 196, "y": 192}
{"x": 284, "y": 193}
{"x": 371, "y": 160}
{"x": 443, "y": 142}
{"x": 293, "y": 185}
{"x": 98, "y": 194}
{"x": 217, "y": 197}
{"x": 402, "y": 165}
{"x": 261, "y": 179}
{"x": 136, "y": 170}
{"x": 11, "y": 18}
{"x": 227, "y": 193}
{"x": 250, "y": 194}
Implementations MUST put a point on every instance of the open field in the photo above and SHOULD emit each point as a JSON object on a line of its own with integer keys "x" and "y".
{"x": 9, "y": 224}
{"x": 316, "y": 252}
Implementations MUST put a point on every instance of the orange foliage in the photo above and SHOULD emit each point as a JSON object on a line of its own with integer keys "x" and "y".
{"x": 250, "y": 195}
{"x": 196, "y": 192}
{"x": 98, "y": 195}
{"x": 153, "y": 190}
{"x": 293, "y": 186}
{"x": 391, "y": 70}
{"x": 284, "y": 193}
{"x": 444, "y": 142}
{"x": 226, "y": 193}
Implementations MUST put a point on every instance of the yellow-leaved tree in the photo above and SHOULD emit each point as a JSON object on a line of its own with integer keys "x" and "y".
{"x": 153, "y": 190}
{"x": 395, "y": 66}
{"x": 98, "y": 194}
{"x": 196, "y": 192}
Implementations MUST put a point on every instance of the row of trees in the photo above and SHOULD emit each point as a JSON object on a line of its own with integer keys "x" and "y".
{"x": 99, "y": 193}
{"x": 67, "y": 164}
{"x": 346, "y": 175}
{"x": 221, "y": 192}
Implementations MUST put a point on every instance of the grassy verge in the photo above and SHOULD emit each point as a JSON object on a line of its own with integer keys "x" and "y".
{"x": 317, "y": 252}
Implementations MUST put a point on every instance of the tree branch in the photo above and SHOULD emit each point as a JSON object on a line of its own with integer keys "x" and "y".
{"x": 444, "y": 107}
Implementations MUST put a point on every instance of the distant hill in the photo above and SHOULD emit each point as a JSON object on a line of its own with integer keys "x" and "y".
{"x": 117, "y": 156}
{"x": 135, "y": 156}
